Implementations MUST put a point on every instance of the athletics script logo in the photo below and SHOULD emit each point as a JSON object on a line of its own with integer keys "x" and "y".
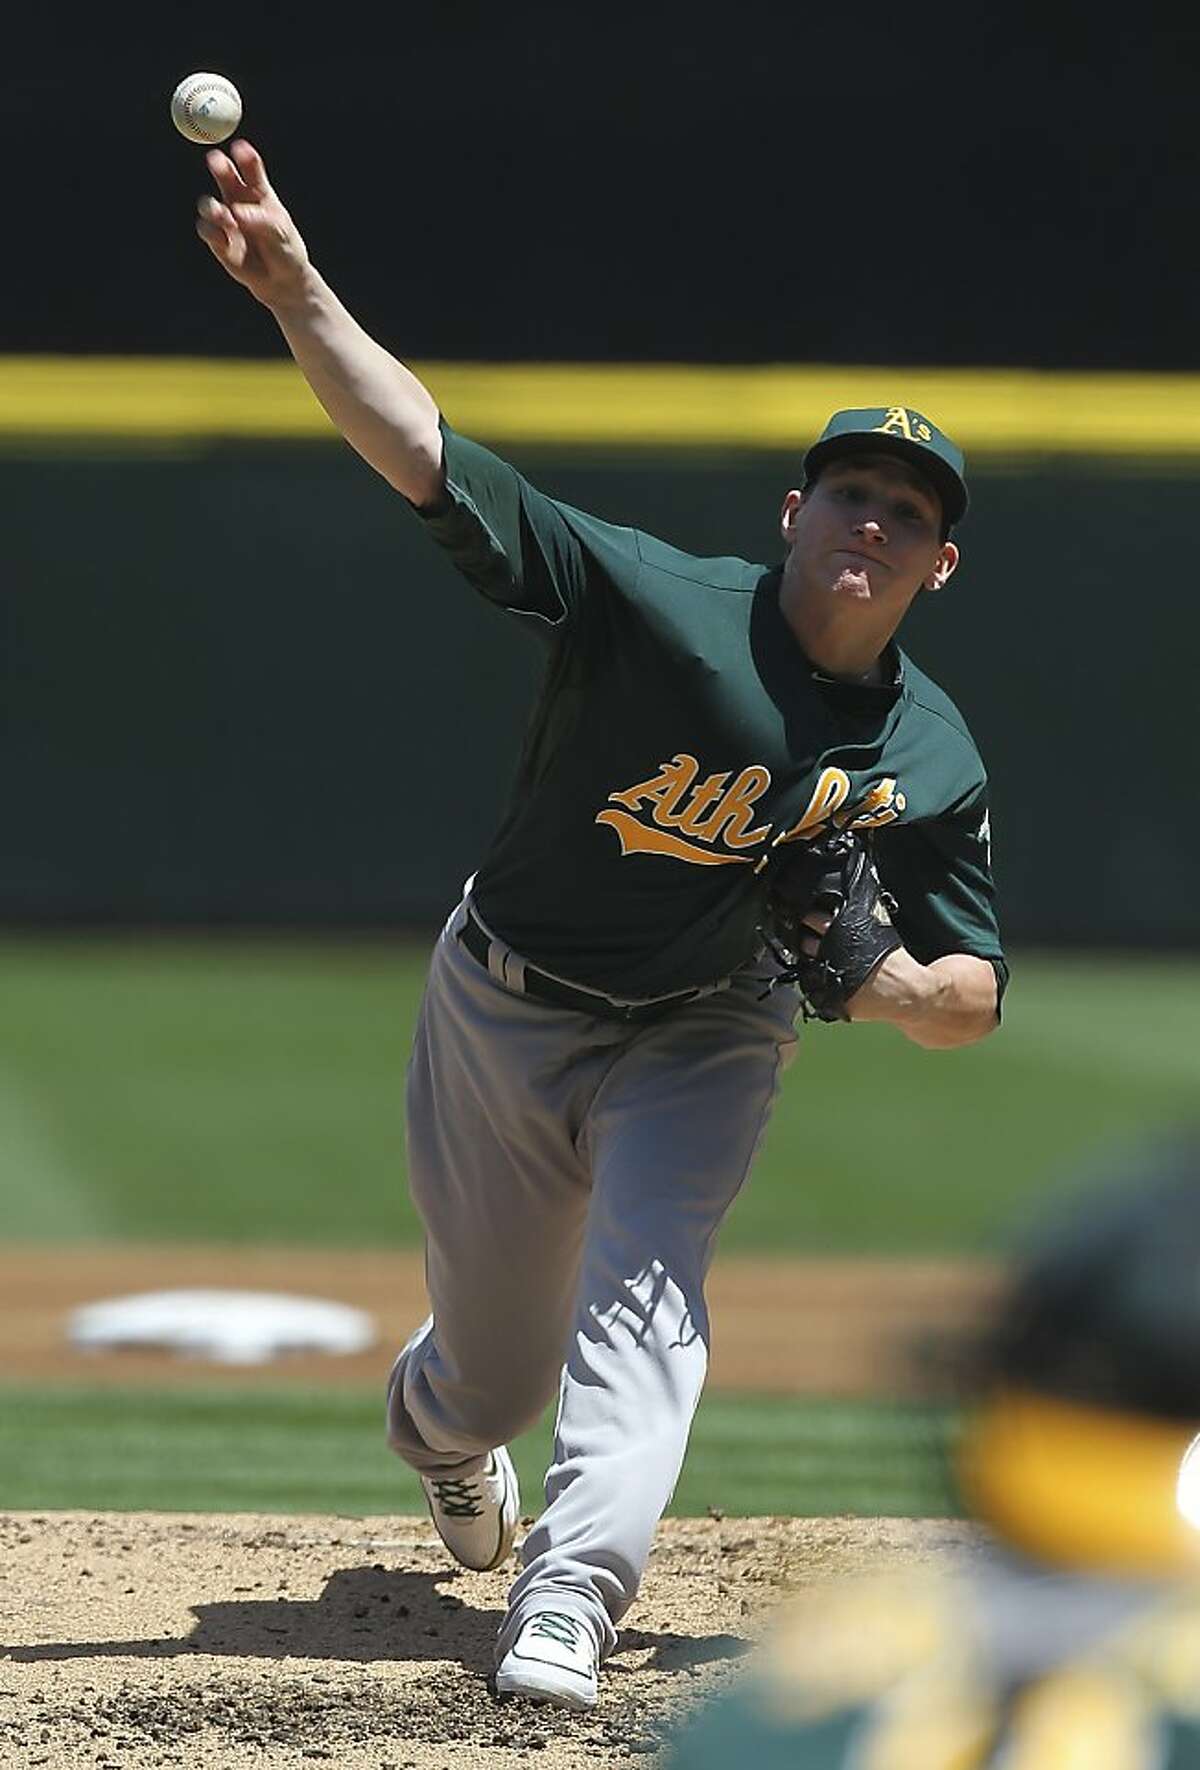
{"x": 901, "y": 422}
{"x": 710, "y": 822}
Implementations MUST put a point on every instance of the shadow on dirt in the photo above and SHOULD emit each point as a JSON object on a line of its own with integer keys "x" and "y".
{"x": 366, "y": 1614}
{"x": 676, "y": 1653}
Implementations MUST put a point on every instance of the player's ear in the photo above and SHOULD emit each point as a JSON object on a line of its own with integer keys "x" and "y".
{"x": 787, "y": 516}
{"x": 944, "y": 565}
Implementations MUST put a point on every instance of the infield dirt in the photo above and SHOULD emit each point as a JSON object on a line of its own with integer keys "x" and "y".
{"x": 143, "y": 1640}
{"x": 137, "y": 1641}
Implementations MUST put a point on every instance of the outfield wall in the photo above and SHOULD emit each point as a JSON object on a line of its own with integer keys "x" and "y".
{"x": 240, "y": 686}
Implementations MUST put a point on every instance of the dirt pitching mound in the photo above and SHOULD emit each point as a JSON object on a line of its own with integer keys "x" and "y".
{"x": 145, "y": 1639}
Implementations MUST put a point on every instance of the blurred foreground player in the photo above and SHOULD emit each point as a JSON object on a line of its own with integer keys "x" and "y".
{"x": 1072, "y": 1642}
{"x": 719, "y": 748}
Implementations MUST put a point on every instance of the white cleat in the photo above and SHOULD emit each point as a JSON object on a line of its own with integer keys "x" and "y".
{"x": 552, "y": 1660}
{"x": 476, "y": 1516}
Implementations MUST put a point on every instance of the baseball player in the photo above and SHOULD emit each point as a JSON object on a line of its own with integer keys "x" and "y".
{"x": 737, "y": 799}
{"x": 1071, "y": 1635}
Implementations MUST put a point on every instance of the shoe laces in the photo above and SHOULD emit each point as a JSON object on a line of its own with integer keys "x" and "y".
{"x": 555, "y": 1625}
{"x": 458, "y": 1499}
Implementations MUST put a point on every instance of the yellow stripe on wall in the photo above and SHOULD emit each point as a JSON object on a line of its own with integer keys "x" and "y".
{"x": 988, "y": 411}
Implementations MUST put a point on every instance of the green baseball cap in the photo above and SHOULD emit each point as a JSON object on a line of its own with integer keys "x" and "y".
{"x": 896, "y": 430}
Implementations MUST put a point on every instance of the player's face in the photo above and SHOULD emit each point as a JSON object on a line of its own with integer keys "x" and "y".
{"x": 862, "y": 542}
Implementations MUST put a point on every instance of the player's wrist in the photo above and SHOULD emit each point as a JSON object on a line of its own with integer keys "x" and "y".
{"x": 899, "y": 990}
{"x": 300, "y": 298}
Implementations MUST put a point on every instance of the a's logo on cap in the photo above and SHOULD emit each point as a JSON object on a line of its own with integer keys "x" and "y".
{"x": 901, "y": 422}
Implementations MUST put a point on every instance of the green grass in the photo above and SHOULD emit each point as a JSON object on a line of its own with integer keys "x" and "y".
{"x": 323, "y": 1451}
{"x": 251, "y": 1090}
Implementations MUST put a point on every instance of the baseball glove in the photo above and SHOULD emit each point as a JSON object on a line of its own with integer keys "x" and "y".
{"x": 833, "y": 873}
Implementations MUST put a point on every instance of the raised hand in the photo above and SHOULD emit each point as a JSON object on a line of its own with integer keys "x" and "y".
{"x": 248, "y": 230}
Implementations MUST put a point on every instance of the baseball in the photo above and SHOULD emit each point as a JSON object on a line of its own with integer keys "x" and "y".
{"x": 206, "y": 108}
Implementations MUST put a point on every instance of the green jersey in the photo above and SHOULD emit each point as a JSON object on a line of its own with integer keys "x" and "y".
{"x": 1026, "y": 1669}
{"x": 679, "y": 734}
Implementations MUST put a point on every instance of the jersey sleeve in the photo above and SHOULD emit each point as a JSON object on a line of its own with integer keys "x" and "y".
{"x": 524, "y": 551}
{"x": 940, "y": 873}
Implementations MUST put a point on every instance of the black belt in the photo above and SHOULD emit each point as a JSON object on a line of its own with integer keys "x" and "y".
{"x": 544, "y": 988}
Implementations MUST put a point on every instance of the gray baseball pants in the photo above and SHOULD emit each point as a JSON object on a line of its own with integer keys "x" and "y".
{"x": 571, "y": 1173}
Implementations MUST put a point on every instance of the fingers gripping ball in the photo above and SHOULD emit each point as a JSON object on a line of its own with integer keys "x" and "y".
{"x": 833, "y": 874}
{"x": 206, "y": 108}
